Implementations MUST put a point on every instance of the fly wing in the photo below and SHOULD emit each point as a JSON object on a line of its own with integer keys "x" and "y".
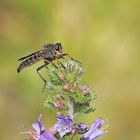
{"x": 22, "y": 58}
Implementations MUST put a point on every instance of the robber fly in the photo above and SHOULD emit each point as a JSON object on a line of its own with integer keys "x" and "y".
{"x": 50, "y": 53}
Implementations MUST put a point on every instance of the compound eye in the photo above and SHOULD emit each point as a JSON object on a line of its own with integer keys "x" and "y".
{"x": 58, "y": 47}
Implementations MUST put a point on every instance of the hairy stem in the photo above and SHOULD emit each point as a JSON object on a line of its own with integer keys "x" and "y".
{"x": 70, "y": 111}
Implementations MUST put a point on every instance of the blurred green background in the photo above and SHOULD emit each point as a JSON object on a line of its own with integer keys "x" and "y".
{"x": 103, "y": 34}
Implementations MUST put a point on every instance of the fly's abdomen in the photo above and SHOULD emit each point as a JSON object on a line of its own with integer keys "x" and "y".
{"x": 30, "y": 61}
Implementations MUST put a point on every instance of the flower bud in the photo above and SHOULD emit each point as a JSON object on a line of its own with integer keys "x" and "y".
{"x": 81, "y": 128}
{"x": 59, "y": 105}
{"x": 66, "y": 87}
{"x": 84, "y": 89}
{"x": 61, "y": 76}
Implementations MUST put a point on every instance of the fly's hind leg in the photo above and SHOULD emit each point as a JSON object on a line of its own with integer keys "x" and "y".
{"x": 38, "y": 69}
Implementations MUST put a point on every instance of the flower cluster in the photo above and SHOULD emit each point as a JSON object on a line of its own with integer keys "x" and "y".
{"x": 65, "y": 83}
{"x": 67, "y": 96}
{"x": 64, "y": 127}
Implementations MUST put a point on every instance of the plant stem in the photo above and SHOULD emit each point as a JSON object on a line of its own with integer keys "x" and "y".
{"x": 70, "y": 111}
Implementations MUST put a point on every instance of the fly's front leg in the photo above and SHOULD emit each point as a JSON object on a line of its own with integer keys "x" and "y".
{"x": 62, "y": 56}
{"x": 65, "y": 54}
{"x": 38, "y": 69}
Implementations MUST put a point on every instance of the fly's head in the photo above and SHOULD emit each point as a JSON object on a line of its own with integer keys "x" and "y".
{"x": 58, "y": 47}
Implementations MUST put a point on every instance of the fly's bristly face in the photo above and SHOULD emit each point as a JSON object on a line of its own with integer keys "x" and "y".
{"x": 58, "y": 47}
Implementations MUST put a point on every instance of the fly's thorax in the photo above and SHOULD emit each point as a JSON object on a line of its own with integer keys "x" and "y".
{"x": 49, "y": 53}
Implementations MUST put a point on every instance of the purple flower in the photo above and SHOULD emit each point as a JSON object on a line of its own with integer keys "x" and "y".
{"x": 81, "y": 128}
{"x": 94, "y": 131}
{"x": 63, "y": 125}
{"x": 40, "y": 132}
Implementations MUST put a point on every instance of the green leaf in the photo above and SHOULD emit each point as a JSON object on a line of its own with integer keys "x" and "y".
{"x": 90, "y": 110}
